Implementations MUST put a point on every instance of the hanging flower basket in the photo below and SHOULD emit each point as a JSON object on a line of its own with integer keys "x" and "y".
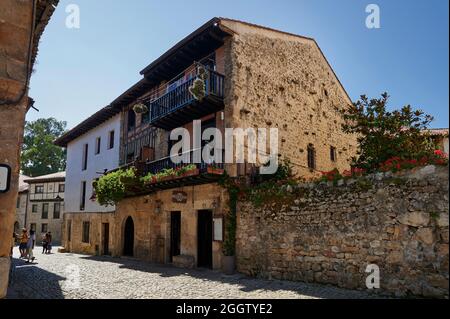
{"x": 140, "y": 108}
{"x": 198, "y": 89}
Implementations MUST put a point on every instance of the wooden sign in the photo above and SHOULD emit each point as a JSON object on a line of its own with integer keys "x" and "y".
{"x": 5, "y": 178}
{"x": 179, "y": 197}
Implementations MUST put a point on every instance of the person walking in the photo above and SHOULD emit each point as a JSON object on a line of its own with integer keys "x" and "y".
{"x": 49, "y": 242}
{"x": 44, "y": 243}
{"x": 23, "y": 243}
{"x": 30, "y": 246}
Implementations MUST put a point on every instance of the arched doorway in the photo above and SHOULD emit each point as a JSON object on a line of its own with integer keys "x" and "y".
{"x": 17, "y": 228}
{"x": 128, "y": 239}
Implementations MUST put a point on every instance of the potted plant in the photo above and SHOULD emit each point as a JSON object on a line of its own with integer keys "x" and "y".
{"x": 140, "y": 108}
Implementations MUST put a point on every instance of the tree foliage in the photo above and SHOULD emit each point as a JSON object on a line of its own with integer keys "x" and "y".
{"x": 384, "y": 134}
{"x": 39, "y": 155}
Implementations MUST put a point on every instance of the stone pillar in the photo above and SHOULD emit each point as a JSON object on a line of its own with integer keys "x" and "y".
{"x": 16, "y": 29}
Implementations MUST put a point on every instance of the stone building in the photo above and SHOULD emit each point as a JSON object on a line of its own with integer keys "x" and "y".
{"x": 22, "y": 204}
{"x": 440, "y": 138}
{"x": 21, "y": 25}
{"x": 253, "y": 77}
{"x": 45, "y": 207}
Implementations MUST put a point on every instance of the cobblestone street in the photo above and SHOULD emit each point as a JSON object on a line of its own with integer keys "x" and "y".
{"x": 55, "y": 276}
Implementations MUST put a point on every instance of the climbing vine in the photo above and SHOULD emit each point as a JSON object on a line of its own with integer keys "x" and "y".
{"x": 112, "y": 187}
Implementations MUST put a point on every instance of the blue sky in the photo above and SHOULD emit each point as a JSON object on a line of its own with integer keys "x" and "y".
{"x": 78, "y": 71}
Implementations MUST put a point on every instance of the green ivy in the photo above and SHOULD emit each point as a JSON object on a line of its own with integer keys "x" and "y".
{"x": 111, "y": 188}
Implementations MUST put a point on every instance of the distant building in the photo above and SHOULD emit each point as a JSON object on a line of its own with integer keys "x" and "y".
{"x": 22, "y": 204}
{"x": 46, "y": 204}
{"x": 440, "y": 137}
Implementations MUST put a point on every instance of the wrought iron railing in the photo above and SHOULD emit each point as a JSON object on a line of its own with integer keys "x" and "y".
{"x": 180, "y": 96}
{"x": 189, "y": 158}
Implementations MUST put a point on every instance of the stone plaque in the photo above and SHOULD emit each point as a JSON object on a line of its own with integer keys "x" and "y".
{"x": 179, "y": 197}
{"x": 218, "y": 228}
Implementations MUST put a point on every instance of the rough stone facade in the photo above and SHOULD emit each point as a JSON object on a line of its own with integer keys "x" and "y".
{"x": 21, "y": 26}
{"x": 279, "y": 80}
{"x": 329, "y": 234}
{"x": 151, "y": 219}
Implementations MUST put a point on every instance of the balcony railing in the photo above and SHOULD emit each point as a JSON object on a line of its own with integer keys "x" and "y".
{"x": 179, "y": 106}
{"x": 167, "y": 163}
{"x": 134, "y": 145}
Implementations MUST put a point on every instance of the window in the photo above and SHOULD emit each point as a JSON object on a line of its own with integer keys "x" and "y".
{"x": 39, "y": 189}
{"x": 131, "y": 120}
{"x": 44, "y": 228}
{"x": 311, "y": 157}
{"x": 85, "y": 235}
{"x": 18, "y": 202}
{"x": 34, "y": 208}
{"x": 85, "y": 156}
{"x": 61, "y": 188}
{"x": 69, "y": 230}
{"x": 333, "y": 153}
{"x": 45, "y": 211}
{"x": 83, "y": 195}
{"x": 145, "y": 117}
{"x": 111, "y": 140}
{"x": 56, "y": 210}
{"x": 33, "y": 227}
{"x": 98, "y": 143}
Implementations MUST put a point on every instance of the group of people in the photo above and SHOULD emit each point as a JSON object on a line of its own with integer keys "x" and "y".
{"x": 27, "y": 241}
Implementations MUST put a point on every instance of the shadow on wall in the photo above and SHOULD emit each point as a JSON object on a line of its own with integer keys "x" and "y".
{"x": 247, "y": 284}
{"x": 26, "y": 277}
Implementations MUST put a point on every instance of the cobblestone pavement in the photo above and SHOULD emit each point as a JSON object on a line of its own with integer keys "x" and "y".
{"x": 54, "y": 276}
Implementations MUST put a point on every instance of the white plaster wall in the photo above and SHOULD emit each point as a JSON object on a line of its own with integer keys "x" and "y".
{"x": 107, "y": 158}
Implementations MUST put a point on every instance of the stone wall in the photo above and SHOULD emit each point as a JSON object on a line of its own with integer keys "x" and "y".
{"x": 329, "y": 234}
{"x": 15, "y": 30}
{"x": 278, "y": 80}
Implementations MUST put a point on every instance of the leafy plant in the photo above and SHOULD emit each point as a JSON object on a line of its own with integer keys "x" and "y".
{"x": 112, "y": 187}
{"x": 140, "y": 108}
{"x": 383, "y": 134}
{"x": 179, "y": 171}
{"x": 198, "y": 89}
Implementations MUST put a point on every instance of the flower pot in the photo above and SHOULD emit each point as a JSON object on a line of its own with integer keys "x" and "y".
{"x": 192, "y": 172}
{"x": 228, "y": 264}
{"x": 214, "y": 170}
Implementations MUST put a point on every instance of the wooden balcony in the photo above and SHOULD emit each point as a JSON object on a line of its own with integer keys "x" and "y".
{"x": 178, "y": 106}
{"x": 202, "y": 173}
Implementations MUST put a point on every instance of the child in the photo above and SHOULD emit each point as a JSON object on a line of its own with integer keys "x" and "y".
{"x": 44, "y": 243}
{"x": 23, "y": 243}
{"x": 30, "y": 246}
